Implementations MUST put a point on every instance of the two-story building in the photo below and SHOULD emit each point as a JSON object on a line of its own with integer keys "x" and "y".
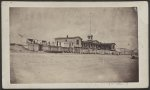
{"x": 69, "y": 41}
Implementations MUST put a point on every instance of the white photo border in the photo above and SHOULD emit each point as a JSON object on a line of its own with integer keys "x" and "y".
{"x": 142, "y": 7}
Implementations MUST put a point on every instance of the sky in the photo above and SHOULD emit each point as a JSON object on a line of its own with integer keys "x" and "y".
{"x": 108, "y": 24}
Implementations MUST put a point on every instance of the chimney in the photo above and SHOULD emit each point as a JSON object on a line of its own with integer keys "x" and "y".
{"x": 67, "y": 36}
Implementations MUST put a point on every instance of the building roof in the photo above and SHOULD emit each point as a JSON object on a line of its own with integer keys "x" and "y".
{"x": 92, "y": 41}
{"x": 97, "y": 42}
{"x": 107, "y": 43}
{"x": 68, "y": 37}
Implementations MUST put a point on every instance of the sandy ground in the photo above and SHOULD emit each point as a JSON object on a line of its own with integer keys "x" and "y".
{"x": 72, "y": 68}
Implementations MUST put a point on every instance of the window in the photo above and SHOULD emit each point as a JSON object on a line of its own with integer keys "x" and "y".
{"x": 69, "y": 44}
{"x": 57, "y": 43}
{"x": 77, "y": 42}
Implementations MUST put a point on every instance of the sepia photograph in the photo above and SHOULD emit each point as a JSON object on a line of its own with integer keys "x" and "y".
{"x": 73, "y": 44}
{"x": 49, "y": 45}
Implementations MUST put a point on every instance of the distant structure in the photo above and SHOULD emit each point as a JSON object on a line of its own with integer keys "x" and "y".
{"x": 124, "y": 51}
{"x": 72, "y": 45}
{"x": 90, "y": 36}
{"x": 88, "y": 44}
{"x": 69, "y": 41}
{"x": 94, "y": 44}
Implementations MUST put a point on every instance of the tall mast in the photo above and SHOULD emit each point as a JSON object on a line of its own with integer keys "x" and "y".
{"x": 90, "y": 23}
{"x": 90, "y": 36}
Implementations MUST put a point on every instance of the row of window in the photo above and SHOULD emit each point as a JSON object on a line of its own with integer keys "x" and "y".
{"x": 77, "y": 42}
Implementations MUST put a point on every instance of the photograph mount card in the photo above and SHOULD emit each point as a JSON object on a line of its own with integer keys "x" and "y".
{"x": 75, "y": 44}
